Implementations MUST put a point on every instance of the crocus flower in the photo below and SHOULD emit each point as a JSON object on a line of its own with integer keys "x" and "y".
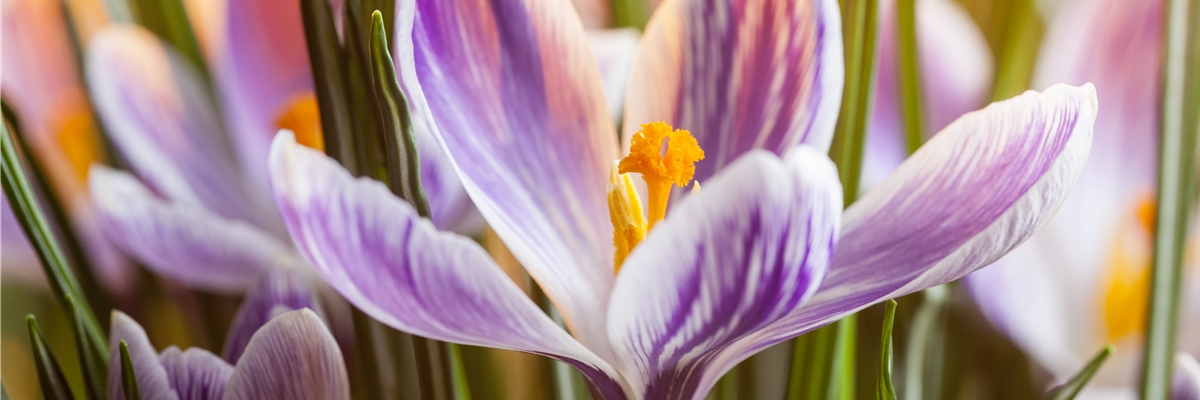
{"x": 201, "y": 213}
{"x": 42, "y": 84}
{"x": 1084, "y": 280}
{"x": 277, "y": 348}
{"x": 511, "y": 92}
{"x": 955, "y": 73}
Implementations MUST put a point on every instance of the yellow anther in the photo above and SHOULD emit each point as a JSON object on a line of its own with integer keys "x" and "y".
{"x": 1128, "y": 274}
{"x": 301, "y": 116}
{"x": 661, "y": 168}
{"x": 625, "y": 210}
{"x": 76, "y": 135}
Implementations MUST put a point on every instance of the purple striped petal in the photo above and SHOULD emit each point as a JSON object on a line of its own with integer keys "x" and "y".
{"x": 157, "y": 112}
{"x": 397, "y": 268}
{"x": 730, "y": 261}
{"x": 264, "y": 64}
{"x": 974, "y": 192}
{"x": 181, "y": 242}
{"x": 614, "y": 50}
{"x": 956, "y": 78}
{"x": 740, "y": 75}
{"x": 195, "y": 374}
{"x": 1185, "y": 385}
{"x": 293, "y": 357}
{"x": 513, "y": 94}
{"x": 153, "y": 381}
{"x": 40, "y": 79}
{"x": 278, "y": 290}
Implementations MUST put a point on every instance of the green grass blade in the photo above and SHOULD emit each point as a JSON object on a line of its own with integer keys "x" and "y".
{"x": 128, "y": 377}
{"x": 37, "y": 229}
{"x": 842, "y": 383}
{"x": 53, "y": 383}
{"x": 883, "y": 384}
{"x": 1176, "y": 193}
{"x": 910, "y": 76}
{"x": 168, "y": 19}
{"x": 404, "y": 167}
{"x": 92, "y": 362}
{"x": 327, "y": 59}
{"x": 1071, "y": 388}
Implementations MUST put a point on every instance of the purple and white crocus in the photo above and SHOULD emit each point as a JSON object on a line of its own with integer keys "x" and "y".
{"x": 763, "y": 253}
{"x": 1084, "y": 280}
{"x": 200, "y": 211}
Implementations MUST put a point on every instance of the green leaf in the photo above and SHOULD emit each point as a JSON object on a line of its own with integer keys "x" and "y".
{"x": 1177, "y": 185}
{"x": 926, "y": 343}
{"x": 812, "y": 356}
{"x": 629, "y": 13}
{"x": 37, "y": 229}
{"x": 1068, "y": 390}
{"x": 910, "y": 75}
{"x": 851, "y": 131}
{"x": 404, "y": 168}
{"x": 128, "y": 377}
{"x": 842, "y": 381}
{"x": 360, "y": 94}
{"x": 92, "y": 362}
{"x": 54, "y": 384}
{"x": 327, "y": 59}
{"x": 1018, "y": 47}
{"x": 883, "y": 384}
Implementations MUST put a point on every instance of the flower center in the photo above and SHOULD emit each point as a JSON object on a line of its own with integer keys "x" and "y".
{"x": 663, "y": 156}
{"x": 301, "y": 116}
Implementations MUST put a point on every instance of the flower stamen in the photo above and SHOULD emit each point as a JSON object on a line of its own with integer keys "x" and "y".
{"x": 301, "y": 116}
{"x": 660, "y": 168}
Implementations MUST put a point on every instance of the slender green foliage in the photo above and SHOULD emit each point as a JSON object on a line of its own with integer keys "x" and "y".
{"x": 328, "y": 64}
{"x": 1018, "y": 47}
{"x": 842, "y": 383}
{"x": 851, "y": 133}
{"x": 629, "y": 13}
{"x": 33, "y": 222}
{"x": 91, "y": 361}
{"x": 883, "y": 384}
{"x": 1176, "y": 193}
{"x": 926, "y": 342}
{"x": 404, "y": 167}
{"x": 1071, "y": 388}
{"x": 53, "y": 382}
{"x": 910, "y": 75}
{"x": 129, "y": 381}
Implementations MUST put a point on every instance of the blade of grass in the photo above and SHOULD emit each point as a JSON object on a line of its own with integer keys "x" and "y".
{"x": 910, "y": 75}
{"x": 1176, "y": 193}
{"x": 883, "y": 384}
{"x": 50, "y": 376}
{"x": 168, "y": 19}
{"x": 128, "y": 377}
{"x": 1072, "y": 387}
{"x": 33, "y": 222}
{"x": 91, "y": 362}
{"x": 326, "y": 57}
{"x": 1018, "y": 49}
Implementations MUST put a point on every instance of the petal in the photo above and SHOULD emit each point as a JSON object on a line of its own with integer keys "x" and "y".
{"x": 972, "y": 193}
{"x": 614, "y": 50}
{"x": 292, "y": 357}
{"x": 449, "y": 205}
{"x": 956, "y": 78}
{"x": 263, "y": 65}
{"x": 153, "y": 381}
{"x": 514, "y": 96}
{"x": 40, "y": 80}
{"x": 157, "y": 111}
{"x": 1186, "y": 382}
{"x": 181, "y": 242}
{"x": 745, "y": 252}
{"x": 196, "y": 374}
{"x": 740, "y": 75}
{"x": 279, "y": 289}
{"x": 393, "y": 265}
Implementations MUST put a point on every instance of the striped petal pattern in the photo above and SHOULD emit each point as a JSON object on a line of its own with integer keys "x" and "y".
{"x": 185, "y": 243}
{"x": 395, "y": 266}
{"x": 974, "y": 192}
{"x": 153, "y": 381}
{"x": 513, "y": 94}
{"x": 740, "y": 75}
{"x": 278, "y": 290}
{"x": 731, "y": 260}
{"x": 293, "y": 357}
{"x": 195, "y": 374}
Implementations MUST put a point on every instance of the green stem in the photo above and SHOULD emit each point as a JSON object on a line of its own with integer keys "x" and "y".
{"x": 1176, "y": 193}
{"x": 883, "y": 384}
{"x": 326, "y": 57}
{"x": 128, "y": 377}
{"x": 50, "y": 376}
{"x": 33, "y": 222}
{"x": 910, "y": 75}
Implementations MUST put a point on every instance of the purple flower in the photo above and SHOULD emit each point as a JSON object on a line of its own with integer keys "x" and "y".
{"x": 202, "y": 213}
{"x": 278, "y": 348}
{"x": 1084, "y": 280}
{"x": 512, "y": 94}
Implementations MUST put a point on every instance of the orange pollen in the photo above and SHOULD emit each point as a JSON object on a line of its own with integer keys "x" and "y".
{"x": 659, "y": 167}
{"x": 302, "y": 116}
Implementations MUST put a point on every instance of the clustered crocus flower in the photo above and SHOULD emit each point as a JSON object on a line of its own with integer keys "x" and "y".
{"x": 760, "y": 253}
{"x": 1084, "y": 280}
